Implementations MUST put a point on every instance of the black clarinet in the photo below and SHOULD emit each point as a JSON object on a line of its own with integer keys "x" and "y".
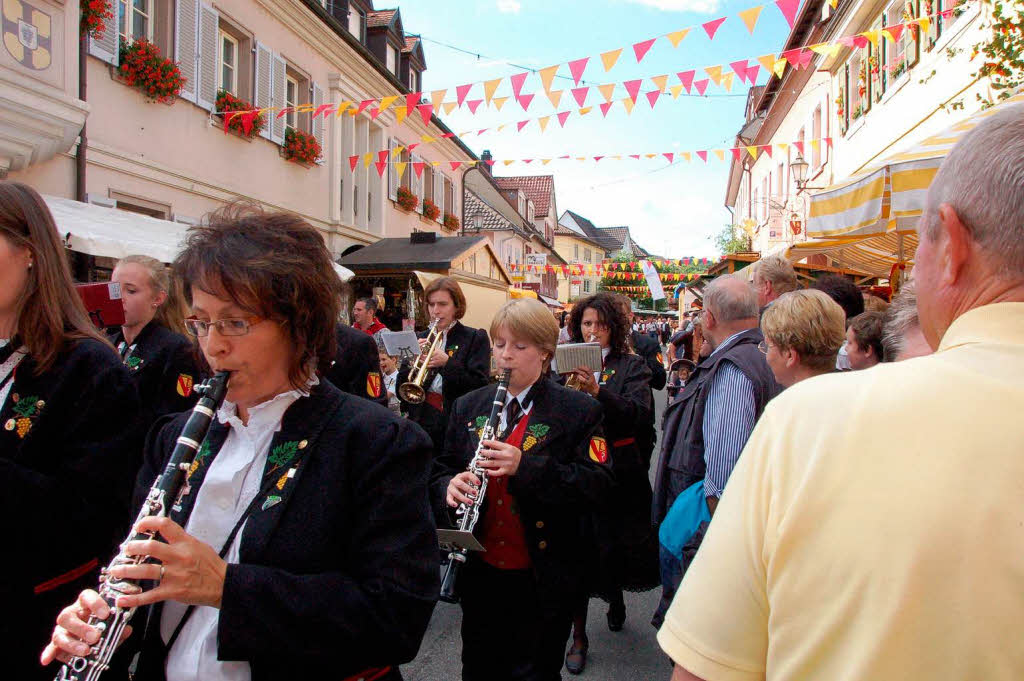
{"x": 469, "y": 515}
{"x": 161, "y": 495}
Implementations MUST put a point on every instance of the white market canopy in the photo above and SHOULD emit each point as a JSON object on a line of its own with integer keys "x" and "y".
{"x": 97, "y": 230}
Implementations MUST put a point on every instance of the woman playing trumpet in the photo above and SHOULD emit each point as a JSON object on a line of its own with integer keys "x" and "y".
{"x": 626, "y": 542}
{"x": 548, "y": 466}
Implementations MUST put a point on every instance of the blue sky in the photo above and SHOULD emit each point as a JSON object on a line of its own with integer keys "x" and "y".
{"x": 671, "y": 210}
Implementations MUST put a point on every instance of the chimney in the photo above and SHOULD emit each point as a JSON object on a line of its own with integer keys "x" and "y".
{"x": 484, "y": 157}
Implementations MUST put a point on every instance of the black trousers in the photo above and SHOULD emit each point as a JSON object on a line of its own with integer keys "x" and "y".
{"x": 506, "y": 633}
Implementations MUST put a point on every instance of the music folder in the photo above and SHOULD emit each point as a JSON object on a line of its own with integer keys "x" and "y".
{"x": 458, "y": 539}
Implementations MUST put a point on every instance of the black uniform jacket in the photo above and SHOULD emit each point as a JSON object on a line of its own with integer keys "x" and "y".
{"x": 650, "y": 351}
{"x": 561, "y": 477}
{"x": 625, "y": 394}
{"x": 70, "y": 444}
{"x": 164, "y": 366}
{"x": 468, "y": 368}
{"x": 356, "y": 366}
{"x": 338, "y": 569}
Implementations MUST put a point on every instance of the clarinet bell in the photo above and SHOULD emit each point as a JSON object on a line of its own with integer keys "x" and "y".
{"x": 448, "y": 592}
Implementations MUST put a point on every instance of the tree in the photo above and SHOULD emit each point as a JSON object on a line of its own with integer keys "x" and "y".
{"x": 611, "y": 283}
{"x": 733, "y": 239}
{"x": 1003, "y": 52}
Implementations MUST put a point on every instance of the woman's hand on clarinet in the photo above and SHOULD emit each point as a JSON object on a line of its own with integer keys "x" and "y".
{"x": 73, "y": 637}
{"x": 585, "y": 381}
{"x": 188, "y": 570}
{"x": 500, "y": 458}
{"x": 461, "y": 487}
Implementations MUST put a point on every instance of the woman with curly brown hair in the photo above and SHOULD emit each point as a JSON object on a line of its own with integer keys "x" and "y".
{"x": 625, "y": 540}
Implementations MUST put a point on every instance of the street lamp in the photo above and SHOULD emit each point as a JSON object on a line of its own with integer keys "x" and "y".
{"x": 799, "y": 169}
{"x": 478, "y": 222}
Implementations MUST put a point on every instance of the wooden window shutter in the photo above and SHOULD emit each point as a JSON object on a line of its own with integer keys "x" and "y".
{"x": 186, "y": 24}
{"x": 264, "y": 86}
{"x": 206, "y": 95}
{"x": 277, "y": 93}
{"x": 106, "y": 48}
{"x": 318, "y": 122}
{"x": 417, "y": 183}
{"x": 439, "y": 193}
{"x": 393, "y": 178}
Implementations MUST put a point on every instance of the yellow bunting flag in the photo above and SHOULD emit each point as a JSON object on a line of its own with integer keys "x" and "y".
{"x": 543, "y": 122}
{"x": 925, "y": 23}
{"x": 660, "y": 81}
{"x": 782, "y": 146}
{"x": 304, "y": 108}
{"x": 715, "y": 72}
{"x": 490, "y": 86}
{"x": 815, "y": 144}
{"x": 508, "y": 163}
{"x": 427, "y": 139}
{"x": 385, "y": 102}
{"x": 502, "y": 127}
{"x": 768, "y": 62}
{"x": 727, "y": 81}
{"x": 833, "y": 3}
{"x": 400, "y": 113}
{"x": 675, "y": 90}
{"x": 750, "y": 16}
{"x": 827, "y": 49}
{"x": 436, "y": 97}
{"x": 609, "y": 58}
{"x": 607, "y": 91}
{"x": 555, "y": 96}
{"x": 676, "y": 37}
{"x": 650, "y": 155}
{"x": 872, "y": 36}
{"x": 753, "y": 152}
{"x": 499, "y": 102}
{"x": 435, "y": 163}
{"x": 396, "y": 151}
{"x": 449, "y": 106}
{"x": 400, "y": 167}
{"x": 367, "y": 159}
{"x": 585, "y": 110}
{"x": 342, "y": 107}
{"x": 720, "y": 153}
{"x": 545, "y": 161}
{"x": 687, "y": 155}
{"x": 779, "y": 68}
{"x": 581, "y": 158}
{"x": 547, "y": 75}
{"x": 628, "y": 103}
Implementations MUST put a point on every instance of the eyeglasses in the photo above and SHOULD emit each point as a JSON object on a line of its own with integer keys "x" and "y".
{"x": 229, "y": 326}
{"x": 763, "y": 347}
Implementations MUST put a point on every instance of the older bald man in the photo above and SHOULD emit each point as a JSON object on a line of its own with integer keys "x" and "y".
{"x": 873, "y": 528}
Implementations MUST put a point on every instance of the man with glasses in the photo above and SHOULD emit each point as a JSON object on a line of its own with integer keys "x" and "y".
{"x": 707, "y": 426}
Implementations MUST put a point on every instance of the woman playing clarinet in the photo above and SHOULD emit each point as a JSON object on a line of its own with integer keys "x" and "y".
{"x": 547, "y": 468}
{"x": 626, "y": 542}
{"x": 301, "y": 546}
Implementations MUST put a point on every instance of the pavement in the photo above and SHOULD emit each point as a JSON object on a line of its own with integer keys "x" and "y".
{"x": 629, "y": 655}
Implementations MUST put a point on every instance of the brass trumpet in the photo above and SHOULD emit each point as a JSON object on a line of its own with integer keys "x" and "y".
{"x": 413, "y": 390}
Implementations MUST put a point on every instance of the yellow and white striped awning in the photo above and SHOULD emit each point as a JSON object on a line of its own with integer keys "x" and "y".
{"x": 888, "y": 196}
{"x": 875, "y": 255}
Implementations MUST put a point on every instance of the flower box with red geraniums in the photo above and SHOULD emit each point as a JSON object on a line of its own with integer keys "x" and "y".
{"x": 143, "y": 67}
{"x": 406, "y": 199}
{"x": 430, "y": 210}
{"x": 300, "y": 147}
{"x": 95, "y": 14}
{"x": 244, "y": 125}
{"x": 451, "y": 222}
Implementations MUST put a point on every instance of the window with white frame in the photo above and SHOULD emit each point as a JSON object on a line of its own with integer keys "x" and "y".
{"x": 135, "y": 20}
{"x": 392, "y": 59}
{"x": 586, "y": 286}
{"x": 414, "y": 80}
{"x": 356, "y": 24}
{"x": 227, "y": 71}
{"x": 586, "y": 255}
{"x": 291, "y": 100}
{"x": 815, "y": 134}
{"x": 522, "y": 204}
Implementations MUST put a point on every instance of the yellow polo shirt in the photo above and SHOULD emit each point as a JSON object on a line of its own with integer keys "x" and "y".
{"x": 873, "y": 528}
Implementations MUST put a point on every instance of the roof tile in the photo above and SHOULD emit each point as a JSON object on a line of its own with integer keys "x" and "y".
{"x": 538, "y": 188}
{"x": 379, "y": 18}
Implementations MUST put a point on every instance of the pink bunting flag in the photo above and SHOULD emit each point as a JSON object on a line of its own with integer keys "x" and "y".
{"x": 417, "y": 166}
{"x": 701, "y": 85}
{"x": 284, "y": 112}
{"x": 753, "y": 71}
{"x": 686, "y": 78}
{"x": 412, "y": 100}
{"x": 381, "y": 167}
{"x": 524, "y": 101}
{"x": 323, "y": 109}
{"x": 860, "y": 41}
{"x": 605, "y": 107}
{"x": 489, "y": 162}
{"x": 740, "y": 68}
{"x": 652, "y": 97}
{"x": 448, "y": 135}
{"x": 847, "y": 41}
{"x": 412, "y": 146}
{"x": 473, "y": 104}
{"x": 735, "y": 153}
{"x": 788, "y": 9}
{"x": 454, "y": 164}
{"x": 669, "y": 155}
{"x": 799, "y": 147}
{"x": 577, "y": 67}
{"x": 947, "y": 14}
{"x": 352, "y": 161}
{"x": 640, "y": 49}
{"x": 580, "y": 94}
{"x": 828, "y": 142}
{"x": 521, "y": 124}
{"x": 711, "y": 27}
{"x": 896, "y": 30}
{"x": 703, "y": 155}
{"x": 382, "y": 156}
{"x": 527, "y": 161}
{"x": 363, "y": 104}
{"x": 461, "y": 92}
{"x": 374, "y": 112}
{"x": 597, "y": 158}
{"x": 561, "y": 118}
{"x": 426, "y": 110}
{"x": 636, "y": 156}
{"x": 767, "y": 149}
{"x": 517, "y": 82}
{"x": 799, "y": 57}
{"x": 482, "y": 131}
{"x": 633, "y": 88}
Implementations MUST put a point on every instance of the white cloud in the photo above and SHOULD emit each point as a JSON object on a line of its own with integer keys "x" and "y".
{"x": 699, "y": 6}
{"x": 509, "y": 6}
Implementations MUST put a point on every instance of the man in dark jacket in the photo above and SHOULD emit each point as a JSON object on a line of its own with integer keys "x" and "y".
{"x": 707, "y": 426}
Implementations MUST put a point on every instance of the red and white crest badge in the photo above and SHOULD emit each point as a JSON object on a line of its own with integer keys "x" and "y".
{"x": 373, "y": 384}
{"x": 598, "y": 450}
{"x": 184, "y": 385}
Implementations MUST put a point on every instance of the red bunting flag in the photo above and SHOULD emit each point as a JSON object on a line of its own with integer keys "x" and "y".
{"x": 382, "y": 156}
{"x": 374, "y": 112}
{"x": 461, "y": 92}
{"x": 524, "y": 101}
{"x": 363, "y": 104}
{"x": 577, "y": 67}
{"x": 282, "y": 113}
{"x": 527, "y": 161}
{"x": 352, "y": 161}
{"x": 323, "y": 109}
{"x": 412, "y": 100}
{"x": 828, "y": 142}
{"x": 767, "y": 149}
{"x": 896, "y": 31}
{"x": 701, "y": 85}
{"x": 473, "y": 104}
{"x": 598, "y": 158}
{"x": 740, "y": 68}
{"x": 580, "y": 94}
{"x": 703, "y": 156}
{"x": 799, "y": 147}
{"x": 640, "y": 49}
{"x": 686, "y": 78}
{"x": 669, "y": 155}
{"x": 522, "y": 124}
{"x": 455, "y": 164}
{"x": 418, "y": 168}
{"x": 381, "y": 167}
{"x": 605, "y": 107}
{"x": 752, "y": 72}
{"x": 735, "y": 153}
{"x": 517, "y": 82}
{"x": 633, "y": 88}
{"x": 711, "y": 27}
{"x": 860, "y": 41}
{"x": 788, "y": 9}
{"x": 561, "y": 121}
{"x": 426, "y": 110}
{"x": 636, "y": 156}
{"x": 652, "y": 97}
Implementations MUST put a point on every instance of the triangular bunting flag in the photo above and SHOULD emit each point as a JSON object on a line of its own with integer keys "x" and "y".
{"x": 753, "y": 71}
{"x": 628, "y": 104}
{"x": 597, "y": 158}
{"x": 768, "y": 62}
{"x": 675, "y": 90}
{"x": 555, "y": 96}
{"x": 517, "y": 82}
{"x": 527, "y": 161}
{"x": 640, "y": 49}
{"x": 381, "y": 166}
{"x": 385, "y": 102}
{"x": 652, "y": 97}
{"x": 686, "y": 156}
{"x": 607, "y": 91}
{"x": 633, "y": 88}
{"x": 461, "y": 92}
{"x": 499, "y": 102}
{"x": 605, "y": 106}
{"x": 521, "y": 124}
{"x": 740, "y": 68}
{"x": 374, "y": 112}
{"x": 828, "y": 142}
{"x": 545, "y": 161}
{"x": 474, "y": 104}
{"x": 449, "y": 107}
{"x": 703, "y": 156}
{"x": 609, "y": 59}
{"x": 585, "y": 110}
{"x": 711, "y": 27}
{"x": 324, "y": 108}
{"x": 676, "y": 37}
{"x": 727, "y": 82}
{"x": 686, "y": 78}
{"x": 508, "y": 163}
{"x": 720, "y": 153}
{"x": 636, "y": 156}
{"x": 577, "y": 67}
{"x": 752, "y": 151}
{"x": 417, "y": 168}
{"x": 816, "y": 145}
{"x": 735, "y": 153}
{"x": 412, "y": 100}
{"x": 367, "y": 159}
{"x": 799, "y": 147}
{"x": 490, "y": 87}
{"x": 547, "y": 75}
{"x": 352, "y": 161}
{"x": 580, "y": 94}
{"x": 779, "y": 68}
{"x": 524, "y": 101}
{"x": 782, "y": 146}
{"x": 871, "y": 36}
{"x": 436, "y": 97}
{"x": 363, "y": 104}
{"x": 860, "y": 41}
{"x": 669, "y": 155}
{"x": 894, "y": 32}
{"x": 925, "y": 23}
{"x": 562, "y": 115}
{"x": 827, "y": 49}
{"x": 400, "y": 168}
{"x": 750, "y": 16}
{"x": 341, "y": 108}
{"x": 788, "y": 9}
{"x": 543, "y": 121}
{"x": 397, "y": 151}
{"x": 426, "y": 110}
{"x": 701, "y": 85}
{"x": 400, "y": 113}
{"x": 767, "y": 149}
{"x": 660, "y": 81}
{"x": 454, "y": 164}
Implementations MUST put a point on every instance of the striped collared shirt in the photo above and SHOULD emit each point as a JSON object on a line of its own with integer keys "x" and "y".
{"x": 729, "y": 418}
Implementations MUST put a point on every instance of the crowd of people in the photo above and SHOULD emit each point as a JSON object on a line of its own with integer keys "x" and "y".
{"x": 802, "y": 523}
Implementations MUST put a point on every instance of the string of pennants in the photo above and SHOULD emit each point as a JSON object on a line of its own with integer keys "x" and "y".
{"x": 625, "y": 271}
{"x": 641, "y": 291}
{"x": 383, "y": 158}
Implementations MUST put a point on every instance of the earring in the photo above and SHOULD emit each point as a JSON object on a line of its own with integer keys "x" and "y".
{"x": 30, "y": 264}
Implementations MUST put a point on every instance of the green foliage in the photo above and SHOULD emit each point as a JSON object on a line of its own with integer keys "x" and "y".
{"x": 1003, "y": 52}
{"x": 732, "y": 239}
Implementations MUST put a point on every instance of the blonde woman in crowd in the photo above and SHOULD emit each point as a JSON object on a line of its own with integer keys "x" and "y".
{"x": 803, "y": 331}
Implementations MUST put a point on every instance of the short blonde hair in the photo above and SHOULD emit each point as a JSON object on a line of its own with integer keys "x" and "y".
{"x": 777, "y": 270}
{"x": 528, "y": 320}
{"x": 873, "y": 303}
{"x": 809, "y": 322}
